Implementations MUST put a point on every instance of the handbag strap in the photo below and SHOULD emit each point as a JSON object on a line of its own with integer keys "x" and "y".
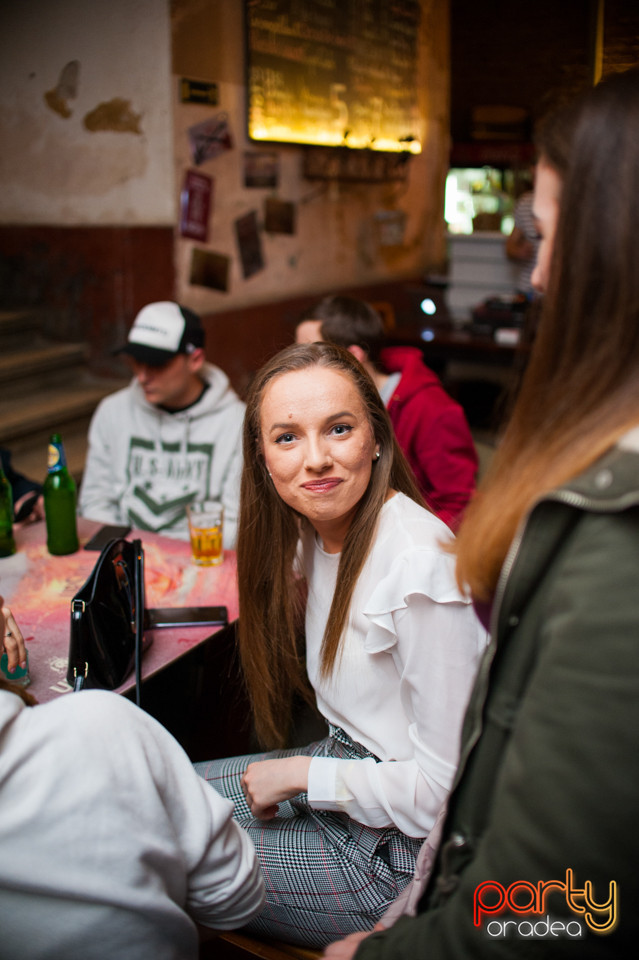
{"x": 139, "y": 600}
{"x": 79, "y": 675}
{"x": 79, "y": 678}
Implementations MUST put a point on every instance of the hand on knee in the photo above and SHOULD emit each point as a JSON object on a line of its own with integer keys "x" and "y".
{"x": 269, "y": 782}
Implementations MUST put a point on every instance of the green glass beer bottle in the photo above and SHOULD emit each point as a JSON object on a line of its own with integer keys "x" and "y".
{"x": 60, "y": 502}
{"x": 7, "y": 543}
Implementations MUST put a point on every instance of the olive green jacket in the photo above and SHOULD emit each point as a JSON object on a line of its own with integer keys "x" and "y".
{"x": 548, "y": 779}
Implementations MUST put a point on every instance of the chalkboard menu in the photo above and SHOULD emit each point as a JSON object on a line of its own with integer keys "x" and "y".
{"x": 334, "y": 73}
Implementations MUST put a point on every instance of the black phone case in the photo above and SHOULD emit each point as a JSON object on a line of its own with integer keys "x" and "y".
{"x": 106, "y": 533}
{"x": 159, "y": 617}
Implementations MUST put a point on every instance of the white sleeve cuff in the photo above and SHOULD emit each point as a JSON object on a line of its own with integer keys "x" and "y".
{"x": 322, "y": 779}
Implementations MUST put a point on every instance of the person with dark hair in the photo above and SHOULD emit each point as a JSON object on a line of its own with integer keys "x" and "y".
{"x": 335, "y": 544}
{"x": 111, "y": 845}
{"x": 540, "y": 839}
{"x": 430, "y": 426}
{"x": 172, "y": 436}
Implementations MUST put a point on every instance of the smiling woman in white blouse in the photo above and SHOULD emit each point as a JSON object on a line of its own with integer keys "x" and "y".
{"x": 336, "y": 546}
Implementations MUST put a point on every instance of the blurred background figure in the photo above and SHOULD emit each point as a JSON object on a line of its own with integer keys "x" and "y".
{"x": 523, "y": 242}
{"x": 28, "y": 504}
{"x": 430, "y": 426}
{"x": 172, "y": 436}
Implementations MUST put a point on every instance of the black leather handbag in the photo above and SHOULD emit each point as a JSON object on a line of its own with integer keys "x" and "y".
{"x": 107, "y": 620}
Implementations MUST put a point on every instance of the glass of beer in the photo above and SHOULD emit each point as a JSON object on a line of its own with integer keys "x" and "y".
{"x": 206, "y": 519}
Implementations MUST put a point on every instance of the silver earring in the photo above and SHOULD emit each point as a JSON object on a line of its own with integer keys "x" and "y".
{"x": 377, "y": 454}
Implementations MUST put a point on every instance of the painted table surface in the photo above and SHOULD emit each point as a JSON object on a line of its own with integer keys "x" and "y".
{"x": 39, "y": 587}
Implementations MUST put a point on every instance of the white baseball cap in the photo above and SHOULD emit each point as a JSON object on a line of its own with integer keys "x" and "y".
{"x": 161, "y": 331}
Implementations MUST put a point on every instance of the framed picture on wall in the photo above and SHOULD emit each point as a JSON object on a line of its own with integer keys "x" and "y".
{"x": 195, "y": 205}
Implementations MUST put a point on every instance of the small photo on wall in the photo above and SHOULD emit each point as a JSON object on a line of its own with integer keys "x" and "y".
{"x": 279, "y": 216}
{"x": 261, "y": 168}
{"x": 210, "y": 270}
{"x": 195, "y": 205}
{"x": 390, "y": 226}
{"x": 210, "y": 138}
{"x": 249, "y": 243}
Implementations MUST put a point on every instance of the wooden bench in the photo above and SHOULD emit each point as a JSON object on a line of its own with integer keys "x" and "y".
{"x": 232, "y": 945}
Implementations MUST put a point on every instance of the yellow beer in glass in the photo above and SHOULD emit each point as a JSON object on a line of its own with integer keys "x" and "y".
{"x": 206, "y": 523}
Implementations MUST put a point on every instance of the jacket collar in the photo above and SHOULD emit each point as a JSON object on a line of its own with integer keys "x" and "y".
{"x": 611, "y": 483}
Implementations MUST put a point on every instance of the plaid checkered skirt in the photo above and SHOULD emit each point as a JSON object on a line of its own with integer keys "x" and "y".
{"x": 325, "y": 874}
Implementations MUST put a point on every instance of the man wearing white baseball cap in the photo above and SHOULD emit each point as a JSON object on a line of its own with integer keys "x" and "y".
{"x": 172, "y": 436}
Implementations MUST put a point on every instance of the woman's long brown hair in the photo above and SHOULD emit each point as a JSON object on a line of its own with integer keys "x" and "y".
{"x": 581, "y": 390}
{"x": 271, "y": 599}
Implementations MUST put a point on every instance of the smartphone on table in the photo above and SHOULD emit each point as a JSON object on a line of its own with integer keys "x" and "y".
{"x": 185, "y": 617}
{"x": 106, "y": 533}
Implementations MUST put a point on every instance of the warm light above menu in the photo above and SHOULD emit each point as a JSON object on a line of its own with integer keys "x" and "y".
{"x": 338, "y": 73}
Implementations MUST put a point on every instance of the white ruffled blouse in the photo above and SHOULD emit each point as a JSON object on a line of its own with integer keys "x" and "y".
{"x": 409, "y": 656}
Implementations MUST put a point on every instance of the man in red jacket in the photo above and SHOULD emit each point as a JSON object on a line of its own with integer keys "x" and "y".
{"x": 430, "y": 427}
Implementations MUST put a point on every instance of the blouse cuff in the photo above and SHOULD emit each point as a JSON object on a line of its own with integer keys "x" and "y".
{"x": 322, "y": 780}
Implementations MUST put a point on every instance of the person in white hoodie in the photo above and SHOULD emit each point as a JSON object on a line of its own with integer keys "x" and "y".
{"x": 112, "y": 846}
{"x": 172, "y": 436}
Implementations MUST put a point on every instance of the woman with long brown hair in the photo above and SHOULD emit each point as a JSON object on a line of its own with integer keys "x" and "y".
{"x": 335, "y": 545}
{"x": 540, "y": 841}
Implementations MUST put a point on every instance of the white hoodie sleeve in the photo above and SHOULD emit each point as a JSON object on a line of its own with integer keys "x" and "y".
{"x": 99, "y": 498}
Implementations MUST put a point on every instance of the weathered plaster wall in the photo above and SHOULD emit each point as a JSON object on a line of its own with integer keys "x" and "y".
{"x": 336, "y": 242}
{"x": 85, "y": 116}
{"x": 94, "y": 147}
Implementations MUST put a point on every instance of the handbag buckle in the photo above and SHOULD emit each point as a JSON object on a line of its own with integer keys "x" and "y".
{"x": 78, "y": 679}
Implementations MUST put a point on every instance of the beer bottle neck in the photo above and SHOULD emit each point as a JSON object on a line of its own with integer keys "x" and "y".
{"x": 57, "y": 460}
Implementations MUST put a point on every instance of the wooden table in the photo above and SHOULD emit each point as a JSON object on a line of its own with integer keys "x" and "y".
{"x": 39, "y": 587}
